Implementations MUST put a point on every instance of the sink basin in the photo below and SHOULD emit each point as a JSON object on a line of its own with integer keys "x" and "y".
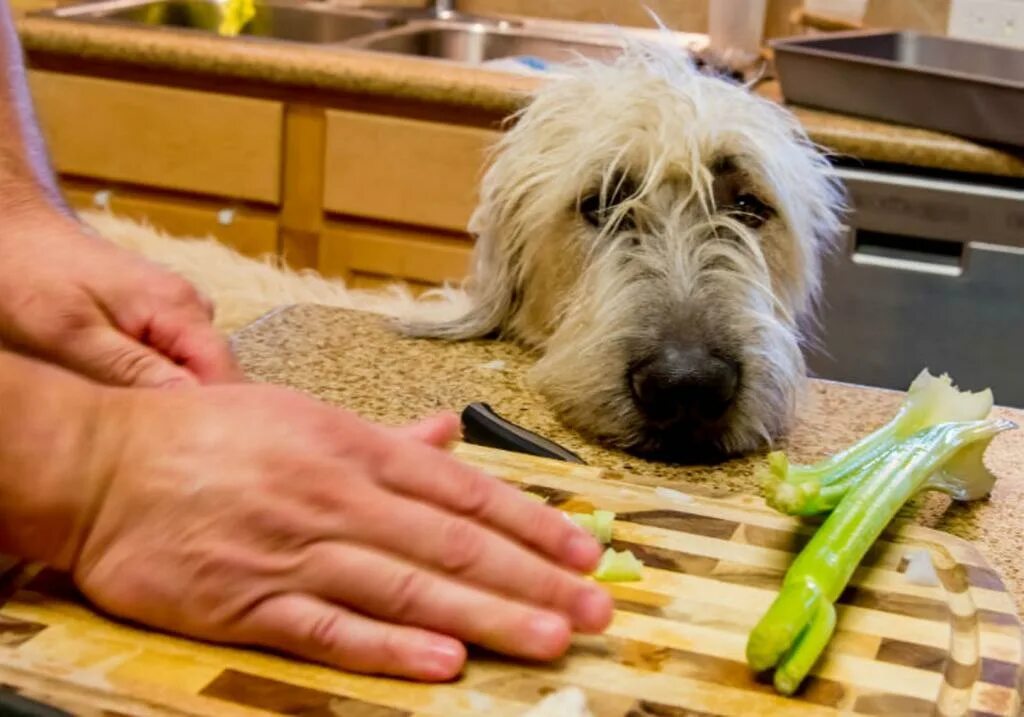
{"x": 476, "y": 44}
{"x": 292, "y": 22}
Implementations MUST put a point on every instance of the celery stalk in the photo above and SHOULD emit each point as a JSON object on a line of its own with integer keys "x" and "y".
{"x": 794, "y": 631}
{"x": 818, "y": 488}
{"x": 618, "y": 566}
{"x": 598, "y": 523}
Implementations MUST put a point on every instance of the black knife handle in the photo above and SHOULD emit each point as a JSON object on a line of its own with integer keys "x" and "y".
{"x": 483, "y": 427}
{"x": 14, "y": 705}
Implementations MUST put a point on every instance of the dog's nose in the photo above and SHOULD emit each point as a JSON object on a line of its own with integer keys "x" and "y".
{"x": 684, "y": 383}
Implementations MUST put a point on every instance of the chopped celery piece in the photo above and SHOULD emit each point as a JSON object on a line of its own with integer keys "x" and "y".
{"x": 598, "y": 523}
{"x": 818, "y": 488}
{"x": 798, "y": 625}
{"x": 618, "y": 567}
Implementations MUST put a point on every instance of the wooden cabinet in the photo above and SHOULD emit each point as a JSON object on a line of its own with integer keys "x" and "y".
{"x": 364, "y": 253}
{"x": 371, "y": 196}
{"x": 251, "y": 232}
{"x": 403, "y": 170}
{"x": 161, "y": 137}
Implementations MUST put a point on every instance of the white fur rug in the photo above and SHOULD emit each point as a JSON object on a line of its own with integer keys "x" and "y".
{"x": 244, "y": 289}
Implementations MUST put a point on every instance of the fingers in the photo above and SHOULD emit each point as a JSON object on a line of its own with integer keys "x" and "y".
{"x": 317, "y": 630}
{"x": 106, "y": 355}
{"x": 438, "y": 431}
{"x": 434, "y": 476}
{"x": 385, "y": 587}
{"x": 188, "y": 339}
{"x": 458, "y": 546}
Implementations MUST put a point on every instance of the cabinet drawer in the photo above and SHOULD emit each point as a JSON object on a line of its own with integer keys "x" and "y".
{"x": 349, "y": 249}
{"x": 403, "y": 170}
{"x": 162, "y": 137}
{"x": 250, "y": 232}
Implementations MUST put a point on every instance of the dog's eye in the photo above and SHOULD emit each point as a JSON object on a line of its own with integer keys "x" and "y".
{"x": 751, "y": 211}
{"x": 597, "y": 211}
{"x": 591, "y": 209}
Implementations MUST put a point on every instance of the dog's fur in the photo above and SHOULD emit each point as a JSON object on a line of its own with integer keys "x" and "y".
{"x": 708, "y": 210}
{"x": 664, "y": 152}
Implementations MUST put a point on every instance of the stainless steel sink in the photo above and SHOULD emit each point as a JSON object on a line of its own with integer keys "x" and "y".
{"x": 480, "y": 43}
{"x": 457, "y": 38}
{"x": 315, "y": 23}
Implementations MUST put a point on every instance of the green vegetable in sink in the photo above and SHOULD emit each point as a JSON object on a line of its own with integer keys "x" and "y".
{"x": 618, "y": 567}
{"x": 234, "y": 14}
{"x": 798, "y": 625}
{"x": 818, "y": 488}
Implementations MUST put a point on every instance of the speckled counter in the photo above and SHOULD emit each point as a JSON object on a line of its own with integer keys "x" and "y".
{"x": 355, "y": 360}
{"x": 293, "y": 67}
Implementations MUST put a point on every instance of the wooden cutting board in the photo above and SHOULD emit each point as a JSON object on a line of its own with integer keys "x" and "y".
{"x": 953, "y": 647}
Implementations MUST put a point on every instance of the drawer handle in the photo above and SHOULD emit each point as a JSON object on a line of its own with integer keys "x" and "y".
{"x": 226, "y": 217}
{"x": 101, "y": 199}
{"x": 891, "y": 251}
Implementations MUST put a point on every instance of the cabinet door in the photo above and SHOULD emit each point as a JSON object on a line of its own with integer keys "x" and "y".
{"x": 360, "y": 252}
{"x": 250, "y": 232}
{"x": 162, "y": 137}
{"x": 403, "y": 170}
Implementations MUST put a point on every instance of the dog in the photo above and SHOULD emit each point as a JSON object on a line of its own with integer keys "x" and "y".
{"x": 652, "y": 232}
{"x": 655, "y": 234}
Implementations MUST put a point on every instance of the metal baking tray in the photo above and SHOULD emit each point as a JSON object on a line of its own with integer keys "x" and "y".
{"x": 965, "y": 88}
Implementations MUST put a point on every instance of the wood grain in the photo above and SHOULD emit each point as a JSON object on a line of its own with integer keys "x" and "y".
{"x": 252, "y": 232}
{"x": 161, "y": 137}
{"x": 351, "y": 247}
{"x": 403, "y": 170}
{"x": 676, "y": 646}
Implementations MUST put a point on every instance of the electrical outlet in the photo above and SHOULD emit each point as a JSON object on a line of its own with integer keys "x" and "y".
{"x": 998, "y": 21}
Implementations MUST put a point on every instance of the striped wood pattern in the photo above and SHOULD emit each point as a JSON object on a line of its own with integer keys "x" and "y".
{"x": 674, "y": 649}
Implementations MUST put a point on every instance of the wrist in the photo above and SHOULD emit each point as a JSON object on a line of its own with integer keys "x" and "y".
{"x": 54, "y": 459}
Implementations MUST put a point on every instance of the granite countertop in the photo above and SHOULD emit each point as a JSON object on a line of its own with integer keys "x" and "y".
{"x": 355, "y": 360}
{"x": 308, "y": 68}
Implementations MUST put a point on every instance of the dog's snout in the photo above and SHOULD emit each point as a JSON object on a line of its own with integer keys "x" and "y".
{"x": 684, "y": 383}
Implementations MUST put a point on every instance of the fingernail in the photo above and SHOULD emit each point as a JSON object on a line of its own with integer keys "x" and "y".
{"x": 593, "y": 610}
{"x": 442, "y": 660}
{"x": 548, "y": 635}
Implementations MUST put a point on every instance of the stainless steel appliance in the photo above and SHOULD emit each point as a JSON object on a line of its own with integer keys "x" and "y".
{"x": 931, "y": 274}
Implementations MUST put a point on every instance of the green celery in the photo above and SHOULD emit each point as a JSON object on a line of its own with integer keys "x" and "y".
{"x": 798, "y": 625}
{"x": 818, "y": 488}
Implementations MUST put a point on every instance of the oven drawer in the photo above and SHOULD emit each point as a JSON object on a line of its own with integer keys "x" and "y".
{"x": 892, "y": 308}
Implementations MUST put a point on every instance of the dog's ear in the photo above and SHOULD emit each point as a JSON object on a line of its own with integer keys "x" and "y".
{"x": 488, "y": 300}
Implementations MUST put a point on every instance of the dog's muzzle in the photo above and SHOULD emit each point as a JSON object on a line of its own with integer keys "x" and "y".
{"x": 684, "y": 386}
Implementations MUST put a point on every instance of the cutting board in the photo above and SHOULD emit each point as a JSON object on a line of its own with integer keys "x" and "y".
{"x": 950, "y": 645}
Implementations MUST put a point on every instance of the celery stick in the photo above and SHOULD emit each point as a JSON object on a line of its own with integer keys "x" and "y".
{"x": 812, "y": 489}
{"x": 598, "y": 523}
{"x": 618, "y": 566}
{"x": 795, "y": 629}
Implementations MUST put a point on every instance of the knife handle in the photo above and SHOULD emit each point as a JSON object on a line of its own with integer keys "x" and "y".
{"x": 482, "y": 426}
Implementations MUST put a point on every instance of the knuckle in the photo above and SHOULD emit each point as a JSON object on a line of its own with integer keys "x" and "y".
{"x": 462, "y": 545}
{"x": 129, "y": 362}
{"x": 477, "y": 493}
{"x": 403, "y": 597}
{"x": 548, "y": 586}
{"x": 180, "y": 292}
{"x": 324, "y": 633}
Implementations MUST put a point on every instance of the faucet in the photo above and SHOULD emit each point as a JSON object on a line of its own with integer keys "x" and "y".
{"x": 443, "y": 8}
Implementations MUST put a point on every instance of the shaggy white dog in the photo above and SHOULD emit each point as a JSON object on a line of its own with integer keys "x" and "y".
{"x": 655, "y": 235}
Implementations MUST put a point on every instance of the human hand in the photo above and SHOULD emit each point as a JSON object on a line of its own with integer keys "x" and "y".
{"x": 255, "y": 515}
{"x": 76, "y": 300}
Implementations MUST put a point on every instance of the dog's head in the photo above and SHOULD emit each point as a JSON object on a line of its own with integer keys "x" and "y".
{"x": 655, "y": 233}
